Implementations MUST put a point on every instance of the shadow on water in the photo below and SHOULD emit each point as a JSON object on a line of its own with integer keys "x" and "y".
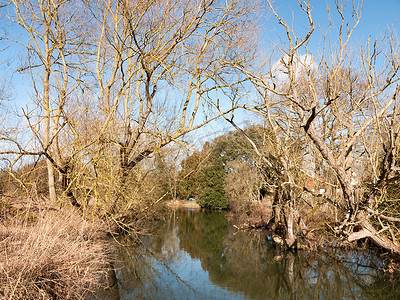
{"x": 198, "y": 255}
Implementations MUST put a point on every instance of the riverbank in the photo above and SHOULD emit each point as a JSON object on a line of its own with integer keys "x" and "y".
{"x": 51, "y": 254}
{"x": 176, "y": 204}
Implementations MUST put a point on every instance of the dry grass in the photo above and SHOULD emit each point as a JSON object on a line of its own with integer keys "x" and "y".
{"x": 251, "y": 214}
{"x": 58, "y": 256}
{"x": 176, "y": 204}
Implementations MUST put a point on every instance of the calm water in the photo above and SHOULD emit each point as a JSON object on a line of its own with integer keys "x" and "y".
{"x": 198, "y": 255}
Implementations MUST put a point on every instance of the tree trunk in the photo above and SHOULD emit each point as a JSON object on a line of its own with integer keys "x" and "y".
{"x": 52, "y": 188}
{"x": 290, "y": 235}
{"x": 65, "y": 184}
{"x": 47, "y": 109}
{"x": 368, "y": 231}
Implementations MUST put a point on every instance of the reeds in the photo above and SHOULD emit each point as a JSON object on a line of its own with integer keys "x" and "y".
{"x": 58, "y": 256}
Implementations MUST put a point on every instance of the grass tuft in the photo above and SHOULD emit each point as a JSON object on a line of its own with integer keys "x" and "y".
{"x": 58, "y": 256}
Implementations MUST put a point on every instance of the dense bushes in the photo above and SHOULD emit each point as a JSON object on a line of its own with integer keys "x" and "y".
{"x": 224, "y": 174}
{"x": 212, "y": 181}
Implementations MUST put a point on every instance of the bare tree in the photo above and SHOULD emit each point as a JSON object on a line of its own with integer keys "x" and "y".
{"x": 114, "y": 82}
{"x": 52, "y": 40}
{"x": 342, "y": 104}
{"x": 158, "y": 67}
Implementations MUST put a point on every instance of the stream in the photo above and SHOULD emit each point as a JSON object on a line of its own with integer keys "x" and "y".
{"x": 199, "y": 255}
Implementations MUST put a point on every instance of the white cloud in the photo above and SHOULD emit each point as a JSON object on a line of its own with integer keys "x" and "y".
{"x": 301, "y": 64}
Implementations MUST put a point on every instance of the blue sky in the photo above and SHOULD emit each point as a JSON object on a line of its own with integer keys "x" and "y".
{"x": 378, "y": 17}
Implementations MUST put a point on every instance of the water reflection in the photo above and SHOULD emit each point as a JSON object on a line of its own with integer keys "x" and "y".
{"x": 198, "y": 255}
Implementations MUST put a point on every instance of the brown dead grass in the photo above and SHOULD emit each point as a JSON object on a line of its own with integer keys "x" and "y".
{"x": 253, "y": 214}
{"x": 176, "y": 204}
{"x": 57, "y": 256}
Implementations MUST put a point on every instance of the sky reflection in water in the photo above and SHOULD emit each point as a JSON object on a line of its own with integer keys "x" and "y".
{"x": 198, "y": 255}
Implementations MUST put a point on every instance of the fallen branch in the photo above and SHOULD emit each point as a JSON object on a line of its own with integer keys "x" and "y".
{"x": 387, "y": 218}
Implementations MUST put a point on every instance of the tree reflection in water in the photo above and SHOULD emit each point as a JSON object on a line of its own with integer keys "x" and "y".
{"x": 198, "y": 255}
